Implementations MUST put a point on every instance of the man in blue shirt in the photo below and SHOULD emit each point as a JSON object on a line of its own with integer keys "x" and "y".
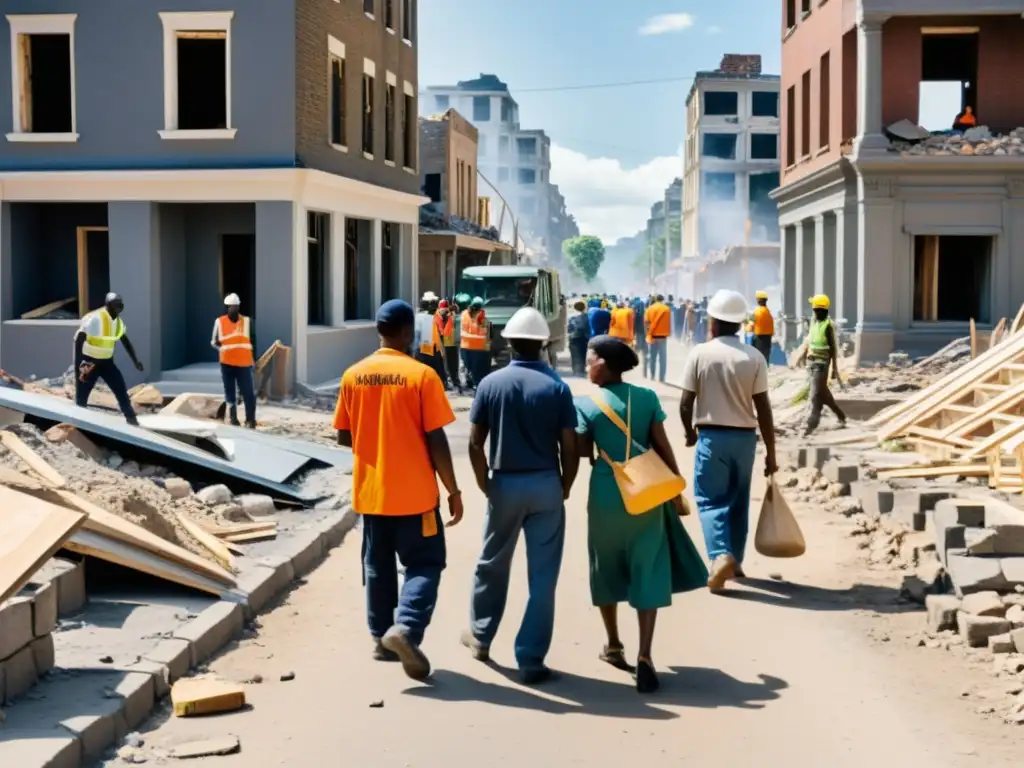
{"x": 528, "y": 413}
{"x": 600, "y": 320}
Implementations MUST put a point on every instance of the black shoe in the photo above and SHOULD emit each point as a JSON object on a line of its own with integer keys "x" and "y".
{"x": 536, "y": 675}
{"x": 250, "y": 425}
{"x": 236, "y": 423}
{"x": 133, "y": 422}
{"x": 646, "y": 678}
{"x": 380, "y": 653}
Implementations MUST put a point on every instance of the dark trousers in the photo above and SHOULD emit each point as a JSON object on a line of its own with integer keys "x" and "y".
{"x": 435, "y": 362}
{"x": 578, "y": 353}
{"x": 423, "y": 557}
{"x": 763, "y": 344}
{"x": 821, "y": 396}
{"x": 476, "y": 362}
{"x": 451, "y": 359}
{"x": 111, "y": 375}
{"x": 238, "y": 380}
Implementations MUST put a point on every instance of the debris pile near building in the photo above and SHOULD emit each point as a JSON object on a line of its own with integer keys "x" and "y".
{"x": 974, "y": 141}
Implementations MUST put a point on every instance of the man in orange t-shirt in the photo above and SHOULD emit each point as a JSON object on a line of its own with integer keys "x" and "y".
{"x": 622, "y": 323}
{"x": 764, "y": 326}
{"x": 392, "y": 411}
{"x": 658, "y": 319}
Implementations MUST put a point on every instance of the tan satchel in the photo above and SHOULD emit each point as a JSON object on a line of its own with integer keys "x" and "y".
{"x": 778, "y": 533}
{"x": 644, "y": 480}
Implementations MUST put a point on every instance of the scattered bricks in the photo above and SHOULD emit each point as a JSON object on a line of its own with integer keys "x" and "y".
{"x": 306, "y": 549}
{"x": 44, "y": 606}
{"x": 817, "y": 456}
{"x": 210, "y": 630}
{"x": 976, "y": 630}
{"x": 1018, "y": 639}
{"x": 1015, "y": 615}
{"x": 1001, "y": 643}
{"x": 159, "y": 673}
{"x": 960, "y": 512}
{"x": 983, "y": 604}
{"x": 139, "y": 694}
{"x": 262, "y": 583}
{"x": 921, "y": 501}
{"x": 256, "y": 505}
{"x": 177, "y": 487}
{"x": 30, "y": 747}
{"x": 174, "y": 654}
{"x": 69, "y": 579}
{"x": 942, "y": 610}
{"x": 975, "y": 574}
{"x": 15, "y": 626}
{"x": 1009, "y": 539}
{"x": 840, "y": 473}
{"x": 980, "y": 541}
{"x": 96, "y": 731}
{"x": 213, "y": 495}
{"x": 949, "y": 539}
{"x": 1013, "y": 569}
{"x": 19, "y": 673}
{"x": 43, "y": 654}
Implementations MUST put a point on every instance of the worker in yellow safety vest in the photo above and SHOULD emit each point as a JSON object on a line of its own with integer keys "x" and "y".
{"x": 234, "y": 341}
{"x": 95, "y": 341}
{"x": 822, "y": 353}
{"x": 473, "y": 332}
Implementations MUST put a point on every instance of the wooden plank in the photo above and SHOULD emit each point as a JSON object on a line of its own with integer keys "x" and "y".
{"x": 25, "y": 74}
{"x": 995, "y": 440}
{"x": 251, "y": 536}
{"x": 46, "y": 309}
{"x": 974, "y": 339}
{"x": 219, "y": 528}
{"x": 111, "y": 526}
{"x": 946, "y": 470}
{"x": 31, "y": 530}
{"x": 1018, "y": 321}
{"x": 37, "y": 463}
{"x": 208, "y": 540}
{"x": 987, "y": 411}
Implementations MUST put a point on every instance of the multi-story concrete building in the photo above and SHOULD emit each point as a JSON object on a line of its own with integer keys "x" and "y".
{"x": 178, "y": 154}
{"x": 673, "y": 221}
{"x": 516, "y": 160}
{"x": 731, "y": 157}
{"x": 912, "y": 242}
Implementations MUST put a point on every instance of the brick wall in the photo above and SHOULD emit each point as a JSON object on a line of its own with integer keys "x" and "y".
{"x": 364, "y": 38}
{"x": 741, "y": 64}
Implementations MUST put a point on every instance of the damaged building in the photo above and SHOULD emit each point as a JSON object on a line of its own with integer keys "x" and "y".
{"x": 266, "y": 151}
{"x": 912, "y": 235}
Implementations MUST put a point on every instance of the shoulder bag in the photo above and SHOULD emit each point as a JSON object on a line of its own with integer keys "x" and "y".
{"x": 644, "y": 479}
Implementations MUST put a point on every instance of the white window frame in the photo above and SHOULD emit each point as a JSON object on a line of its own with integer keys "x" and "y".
{"x": 173, "y": 23}
{"x": 369, "y": 68}
{"x": 40, "y": 24}
{"x": 336, "y": 50}
{"x": 408, "y": 89}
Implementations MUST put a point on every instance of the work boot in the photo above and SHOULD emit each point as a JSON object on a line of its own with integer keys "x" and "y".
{"x": 722, "y": 571}
{"x": 414, "y": 662}
{"x": 236, "y": 423}
{"x": 380, "y": 653}
{"x": 536, "y": 675}
{"x": 250, "y": 425}
{"x": 479, "y": 651}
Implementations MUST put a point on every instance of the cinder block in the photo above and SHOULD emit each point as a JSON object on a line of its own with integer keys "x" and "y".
{"x": 951, "y": 537}
{"x": 262, "y": 583}
{"x": 817, "y": 456}
{"x": 919, "y": 501}
{"x": 976, "y": 630}
{"x": 174, "y": 654}
{"x": 69, "y": 578}
{"x": 1013, "y": 570}
{"x": 19, "y": 673}
{"x": 336, "y": 527}
{"x": 161, "y": 676}
{"x": 840, "y": 473}
{"x": 980, "y": 541}
{"x": 211, "y": 629}
{"x": 1009, "y": 539}
{"x": 139, "y": 694}
{"x": 975, "y": 574}
{"x": 942, "y": 610}
{"x": 43, "y": 597}
{"x": 874, "y": 498}
{"x": 952, "y": 511}
{"x": 41, "y": 746}
{"x": 95, "y": 732}
{"x": 15, "y": 625}
{"x": 306, "y": 550}
{"x": 44, "y": 654}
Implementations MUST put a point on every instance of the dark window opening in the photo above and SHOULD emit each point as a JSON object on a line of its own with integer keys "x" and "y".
{"x": 764, "y": 213}
{"x": 953, "y": 59}
{"x": 318, "y": 227}
{"x": 408, "y": 12}
{"x": 506, "y": 109}
{"x": 720, "y": 145}
{"x": 389, "y": 14}
{"x": 790, "y": 126}
{"x": 526, "y": 147}
{"x": 202, "y": 81}
{"x": 368, "y": 6}
{"x": 93, "y": 267}
{"x": 481, "y": 109}
{"x": 368, "y": 114}
{"x": 356, "y": 269}
{"x": 824, "y": 97}
{"x": 721, "y": 103}
{"x": 805, "y": 114}
{"x": 389, "y": 255}
{"x": 764, "y": 104}
{"x": 432, "y": 187}
{"x": 527, "y": 176}
{"x": 719, "y": 186}
{"x": 805, "y": 8}
{"x": 952, "y": 278}
{"x": 764, "y": 146}
{"x": 389, "y": 122}
{"x": 238, "y": 270}
{"x": 409, "y": 134}
{"x": 338, "y": 102}
{"x": 503, "y": 146}
{"x": 790, "y": 14}
{"x": 46, "y": 84}
{"x": 441, "y": 103}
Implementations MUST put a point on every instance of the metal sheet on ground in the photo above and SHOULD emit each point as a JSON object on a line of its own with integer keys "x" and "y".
{"x": 58, "y": 410}
{"x": 332, "y": 457}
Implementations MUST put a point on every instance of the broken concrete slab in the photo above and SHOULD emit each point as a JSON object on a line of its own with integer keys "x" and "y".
{"x": 1013, "y": 570}
{"x": 954, "y": 511}
{"x": 256, "y": 504}
{"x": 975, "y": 574}
{"x": 1009, "y": 539}
{"x": 212, "y": 495}
{"x": 222, "y": 745}
{"x": 980, "y": 541}
{"x": 976, "y": 630}
{"x": 986, "y": 603}
{"x": 942, "y": 611}
{"x": 1001, "y": 643}
{"x": 1015, "y": 615}
{"x": 1018, "y": 639}
{"x": 177, "y": 487}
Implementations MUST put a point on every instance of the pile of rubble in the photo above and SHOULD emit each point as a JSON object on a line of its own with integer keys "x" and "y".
{"x": 974, "y": 141}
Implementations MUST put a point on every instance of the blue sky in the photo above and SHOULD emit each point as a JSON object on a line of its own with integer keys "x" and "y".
{"x": 615, "y": 149}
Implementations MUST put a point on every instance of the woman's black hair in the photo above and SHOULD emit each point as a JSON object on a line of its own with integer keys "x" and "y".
{"x": 617, "y": 354}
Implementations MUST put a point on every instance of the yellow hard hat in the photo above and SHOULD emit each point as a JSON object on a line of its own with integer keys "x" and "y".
{"x": 820, "y": 301}
{"x": 761, "y": 295}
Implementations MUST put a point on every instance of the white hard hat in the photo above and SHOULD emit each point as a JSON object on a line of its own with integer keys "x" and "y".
{"x": 728, "y": 306}
{"x": 232, "y": 300}
{"x": 527, "y": 323}
{"x": 429, "y": 296}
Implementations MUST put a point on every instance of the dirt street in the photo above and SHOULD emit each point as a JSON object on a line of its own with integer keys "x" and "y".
{"x": 814, "y": 670}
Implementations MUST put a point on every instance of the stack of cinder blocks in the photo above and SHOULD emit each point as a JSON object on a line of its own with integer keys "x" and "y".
{"x": 981, "y": 544}
{"x": 27, "y": 622}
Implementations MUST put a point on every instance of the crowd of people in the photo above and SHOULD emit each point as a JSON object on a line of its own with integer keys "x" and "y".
{"x": 528, "y": 435}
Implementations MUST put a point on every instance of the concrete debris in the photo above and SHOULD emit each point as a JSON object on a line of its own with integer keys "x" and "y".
{"x": 942, "y": 611}
{"x": 213, "y": 495}
{"x": 974, "y": 141}
{"x": 984, "y": 604}
{"x": 223, "y": 745}
{"x": 1001, "y": 643}
{"x": 976, "y": 630}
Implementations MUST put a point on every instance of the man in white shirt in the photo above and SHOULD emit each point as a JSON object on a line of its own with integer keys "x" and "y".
{"x": 725, "y": 401}
{"x": 95, "y": 342}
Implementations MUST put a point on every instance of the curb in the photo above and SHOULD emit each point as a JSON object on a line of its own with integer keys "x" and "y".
{"x": 83, "y": 740}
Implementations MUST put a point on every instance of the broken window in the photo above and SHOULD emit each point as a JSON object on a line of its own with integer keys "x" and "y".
{"x": 503, "y": 174}
{"x": 790, "y": 126}
{"x": 721, "y": 103}
{"x": 764, "y": 213}
{"x": 720, "y": 145}
{"x": 368, "y": 6}
{"x": 432, "y": 187}
{"x": 719, "y": 186}
{"x": 506, "y": 110}
{"x": 527, "y": 176}
{"x": 805, "y": 114}
{"x": 368, "y": 114}
{"x": 389, "y": 260}
{"x": 409, "y": 131}
{"x": 389, "y": 122}
{"x": 952, "y": 278}
{"x": 318, "y": 225}
{"x": 45, "y": 86}
{"x": 764, "y": 146}
{"x": 526, "y": 147}
{"x": 202, "y": 80}
{"x": 481, "y": 109}
{"x": 949, "y": 65}
{"x": 389, "y": 14}
{"x": 408, "y": 13}
{"x": 824, "y": 97}
{"x": 764, "y": 104}
{"x": 790, "y": 14}
{"x": 338, "y": 90}
{"x": 441, "y": 103}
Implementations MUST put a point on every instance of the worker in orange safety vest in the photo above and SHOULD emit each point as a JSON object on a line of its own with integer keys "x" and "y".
{"x": 473, "y": 330}
{"x": 444, "y": 319}
{"x": 622, "y": 322}
{"x": 233, "y": 339}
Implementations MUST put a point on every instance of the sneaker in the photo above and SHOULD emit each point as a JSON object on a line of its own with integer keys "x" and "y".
{"x": 414, "y": 661}
{"x": 380, "y": 653}
{"x": 722, "y": 570}
{"x": 478, "y": 650}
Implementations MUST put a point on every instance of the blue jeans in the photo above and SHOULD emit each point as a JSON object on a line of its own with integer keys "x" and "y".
{"x": 722, "y": 472}
{"x": 238, "y": 379}
{"x": 530, "y": 502}
{"x": 423, "y": 557}
{"x": 657, "y": 358}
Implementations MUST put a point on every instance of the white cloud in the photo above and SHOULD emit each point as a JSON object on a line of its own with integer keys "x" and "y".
{"x": 713, "y": 31}
{"x": 608, "y": 200}
{"x": 667, "y": 22}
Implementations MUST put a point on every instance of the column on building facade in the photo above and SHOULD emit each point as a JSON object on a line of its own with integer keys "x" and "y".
{"x": 828, "y": 262}
{"x": 376, "y": 257}
{"x": 869, "y": 87}
{"x": 337, "y": 267}
{"x": 845, "y": 300}
{"x": 787, "y": 279}
{"x": 280, "y": 245}
{"x": 804, "y": 266}
{"x": 876, "y": 283}
{"x": 411, "y": 257}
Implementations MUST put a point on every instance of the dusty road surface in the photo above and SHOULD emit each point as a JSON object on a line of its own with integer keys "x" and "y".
{"x": 812, "y": 671}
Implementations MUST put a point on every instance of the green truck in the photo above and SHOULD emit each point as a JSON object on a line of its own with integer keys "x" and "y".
{"x": 506, "y": 289}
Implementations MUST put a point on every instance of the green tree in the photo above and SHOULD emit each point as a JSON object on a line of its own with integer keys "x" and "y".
{"x": 585, "y": 255}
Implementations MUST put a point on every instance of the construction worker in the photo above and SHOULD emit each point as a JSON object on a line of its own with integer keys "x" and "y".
{"x": 234, "y": 340}
{"x": 473, "y": 332}
{"x": 621, "y": 325}
{"x": 444, "y": 319}
{"x": 527, "y": 412}
{"x": 392, "y": 411}
{"x": 822, "y": 352}
{"x": 764, "y": 326}
{"x": 428, "y": 338}
{"x": 95, "y": 341}
{"x": 965, "y": 120}
{"x": 578, "y": 332}
{"x": 658, "y": 319}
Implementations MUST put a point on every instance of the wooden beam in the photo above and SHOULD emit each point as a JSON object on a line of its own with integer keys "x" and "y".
{"x": 942, "y": 470}
{"x": 37, "y": 463}
{"x": 212, "y": 543}
{"x": 46, "y": 309}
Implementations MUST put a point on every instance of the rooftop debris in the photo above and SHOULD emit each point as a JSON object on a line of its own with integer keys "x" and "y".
{"x": 912, "y": 140}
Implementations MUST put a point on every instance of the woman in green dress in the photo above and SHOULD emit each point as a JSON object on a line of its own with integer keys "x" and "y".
{"x": 639, "y": 559}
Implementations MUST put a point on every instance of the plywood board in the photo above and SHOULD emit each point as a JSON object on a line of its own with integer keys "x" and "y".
{"x": 31, "y": 531}
{"x": 212, "y": 543}
{"x": 36, "y": 463}
{"x": 46, "y": 309}
{"x": 269, "y": 533}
